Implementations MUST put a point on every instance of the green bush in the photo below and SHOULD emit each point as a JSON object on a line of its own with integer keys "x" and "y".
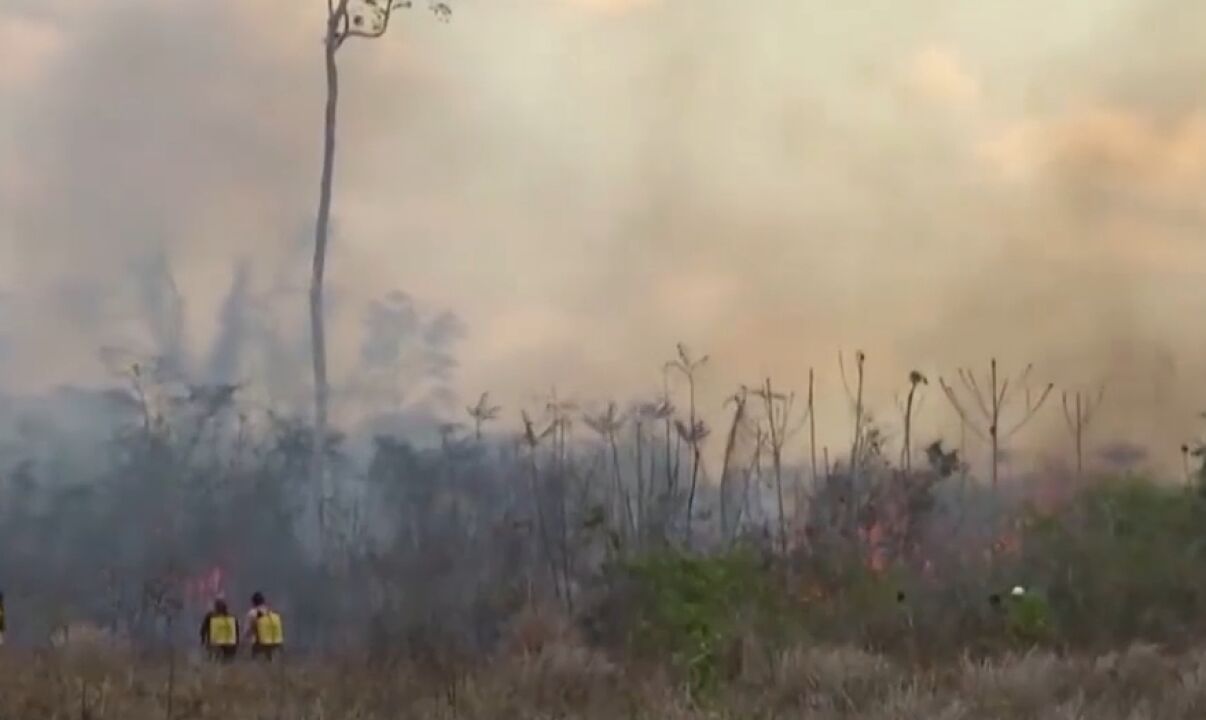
{"x": 1029, "y": 620}
{"x": 1125, "y": 561}
{"x": 1121, "y": 562}
{"x": 695, "y": 610}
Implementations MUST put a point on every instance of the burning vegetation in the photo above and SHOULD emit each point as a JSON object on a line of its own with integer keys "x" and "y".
{"x": 597, "y": 536}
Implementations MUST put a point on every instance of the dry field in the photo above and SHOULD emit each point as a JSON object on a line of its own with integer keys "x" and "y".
{"x": 569, "y": 681}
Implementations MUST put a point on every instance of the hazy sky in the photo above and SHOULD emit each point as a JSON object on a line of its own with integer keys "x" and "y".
{"x": 586, "y": 182}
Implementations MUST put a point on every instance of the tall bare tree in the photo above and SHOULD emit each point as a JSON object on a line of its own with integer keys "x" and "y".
{"x": 346, "y": 19}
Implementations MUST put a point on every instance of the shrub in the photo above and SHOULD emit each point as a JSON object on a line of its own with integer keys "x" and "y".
{"x": 1029, "y": 619}
{"x": 694, "y": 611}
{"x": 1123, "y": 562}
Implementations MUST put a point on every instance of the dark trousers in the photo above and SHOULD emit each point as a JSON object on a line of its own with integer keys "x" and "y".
{"x": 265, "y": 652}
{"x": 223, "y": 654}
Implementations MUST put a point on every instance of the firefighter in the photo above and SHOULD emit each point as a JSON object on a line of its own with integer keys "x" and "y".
{"x": 3, "y": 619}
{"x": 264, "y": 629}
{"x": 220, "y": 632}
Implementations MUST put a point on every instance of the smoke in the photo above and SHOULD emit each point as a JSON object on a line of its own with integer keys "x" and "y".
{"x": 584, "y": 183}
{"x": 224, "y": 361}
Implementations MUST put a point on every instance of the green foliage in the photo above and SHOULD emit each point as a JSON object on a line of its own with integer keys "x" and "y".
{"x": 1126, "y": 560}
{"x": 693, "y": 610}
{"x": 1029, "y": 619}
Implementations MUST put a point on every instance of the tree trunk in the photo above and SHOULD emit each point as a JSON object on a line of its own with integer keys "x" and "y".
{"x": 624, "y": 504}
{"x": 694, "y": 463}
{"x": 1080, "y": 427}
{"x": 777, "y": 458}
{"x": 318, "y": 344}
{"x": 994, "y": 429}
{"x": 812, "y": 429}
{"x": 640, "y": 479}
{"x": 906, "y": 450}
{"x": 726, "y": 475}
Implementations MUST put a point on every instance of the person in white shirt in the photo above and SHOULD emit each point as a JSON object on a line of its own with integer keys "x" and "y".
{"x": 264, "y": 629}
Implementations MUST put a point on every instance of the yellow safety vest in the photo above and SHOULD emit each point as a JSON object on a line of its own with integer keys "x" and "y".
{"x": 269, "y": 631}
{"x": 222, "y": 632}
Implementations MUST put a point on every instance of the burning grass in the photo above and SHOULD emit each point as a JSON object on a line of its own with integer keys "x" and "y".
{"x": 572, "y": 681}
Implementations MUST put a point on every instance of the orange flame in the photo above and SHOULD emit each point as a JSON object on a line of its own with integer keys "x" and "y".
{"x": 205, "y": 586}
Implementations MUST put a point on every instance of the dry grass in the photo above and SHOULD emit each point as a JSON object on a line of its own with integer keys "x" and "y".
{"x": 561, "y": 679}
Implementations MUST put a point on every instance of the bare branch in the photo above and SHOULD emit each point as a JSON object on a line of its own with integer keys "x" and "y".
{"x": 684, "y": 355}
{"x": 1024, "y": 377}
{"x": 1032, "y": 410}
{"x": 1091, "y": 408}
{"x": 969, "y": 381}
{"x": 352, "y": 33}
{"x": 949, "y": 392}
{"x": 355, "y": 25}
{"x": 845, "y": 382}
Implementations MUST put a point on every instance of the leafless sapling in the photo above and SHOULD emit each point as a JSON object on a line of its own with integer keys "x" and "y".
{"x": 649, "y": 413}
{"x": 695, "y": 431}
{"x": 855, "y": 397}
{"x": 727, "y": 524}
{"x": 561, "y": 419}
{"x": 858, "y": 409}
{"x": 607, "y": 426}
{"x": 778, "y": 408}
{"x": 483, "y": 412}
{"x": 992, "y": 401}
{"x": 1079, "y": 412}
{"x": 751, "y": 479}
{"x": 916, "y": 380}
{"x": 531, "y": 440}
{"x": 672, "y": 449}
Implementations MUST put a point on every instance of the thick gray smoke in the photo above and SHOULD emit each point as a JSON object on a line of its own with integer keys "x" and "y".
{"x": 587, "y": 182}
{"x": 544, "y": 196}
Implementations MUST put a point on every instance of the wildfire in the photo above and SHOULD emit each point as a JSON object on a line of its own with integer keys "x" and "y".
{"x": 203, "y": 587}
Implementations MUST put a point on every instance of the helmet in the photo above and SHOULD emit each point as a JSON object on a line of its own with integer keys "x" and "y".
{"x": 1018, "y": 591}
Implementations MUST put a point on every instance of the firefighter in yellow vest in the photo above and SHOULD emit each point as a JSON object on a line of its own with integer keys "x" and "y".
{"x": 220, "y": 632}
{"x": 264, "y": 629}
